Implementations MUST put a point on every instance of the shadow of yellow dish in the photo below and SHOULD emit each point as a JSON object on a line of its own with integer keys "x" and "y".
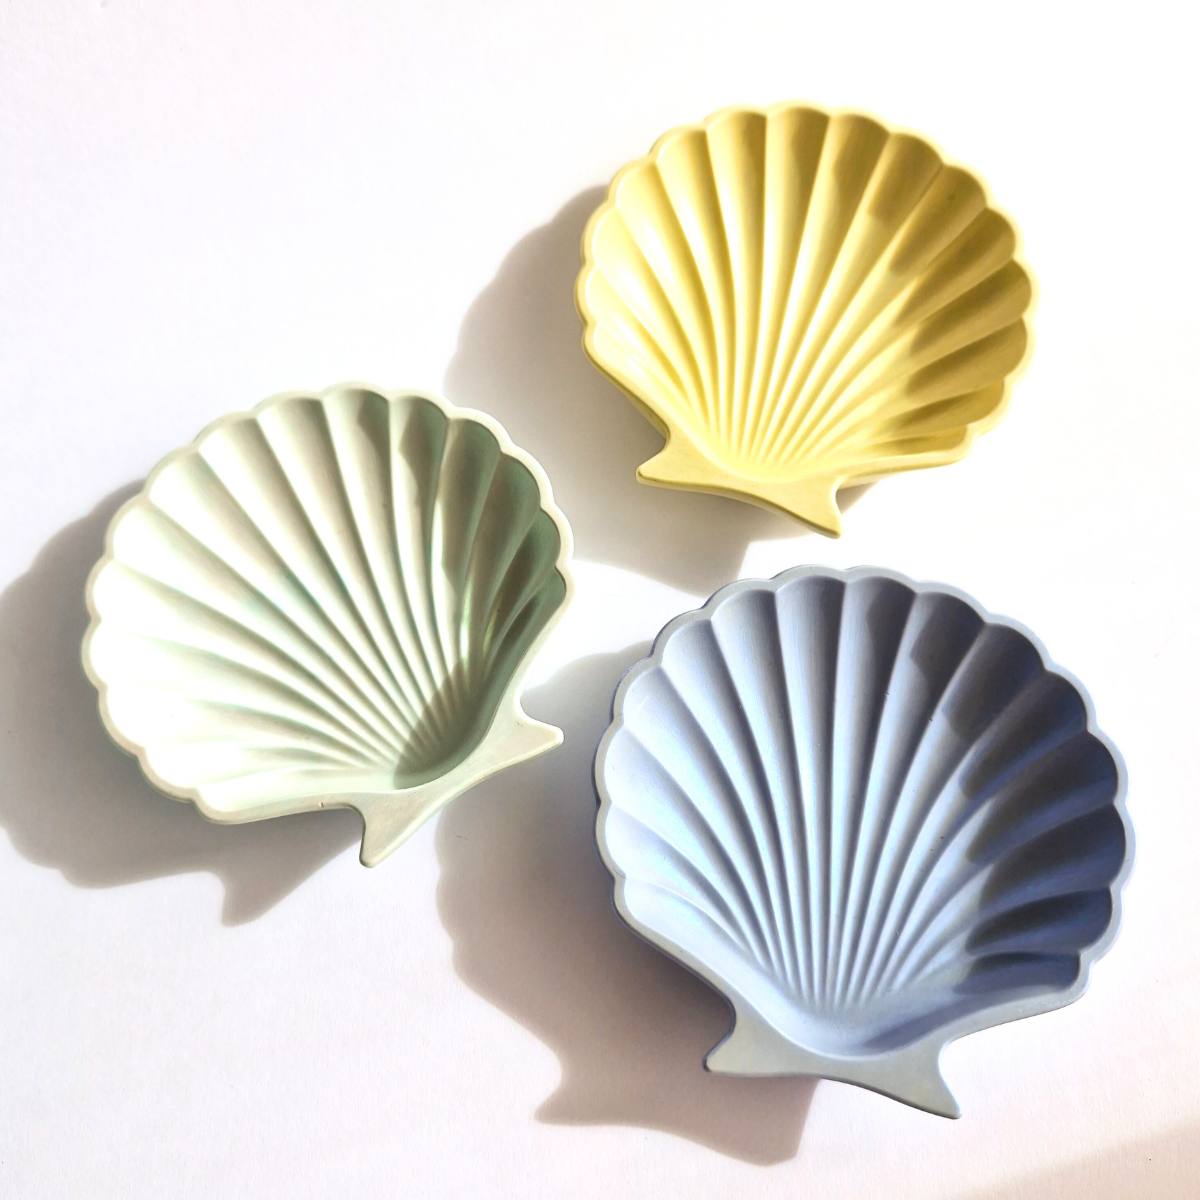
{"x": 802, "y": 301}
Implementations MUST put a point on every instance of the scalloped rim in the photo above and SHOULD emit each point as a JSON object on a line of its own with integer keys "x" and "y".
{"x": 998, "y": 1014}
{"x": 467, "y": 772}
{"x": 589, "y": 264}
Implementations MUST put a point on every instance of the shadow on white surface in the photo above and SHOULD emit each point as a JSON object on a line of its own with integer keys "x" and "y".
{"x": 73, "y": 801}
{"x": 529, "y": 907}
{"x": 523, "y": 894}
{"x": 520, "y": 357}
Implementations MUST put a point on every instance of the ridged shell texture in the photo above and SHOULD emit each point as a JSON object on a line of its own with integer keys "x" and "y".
{"x": 871, "y": 815}
{"x": 802, "y": 301}
{"x": 326, "y": 601}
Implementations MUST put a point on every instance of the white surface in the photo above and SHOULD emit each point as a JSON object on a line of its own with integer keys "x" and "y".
{"x": 208, "y": 203}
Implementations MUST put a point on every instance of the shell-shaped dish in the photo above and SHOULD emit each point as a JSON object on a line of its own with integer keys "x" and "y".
{"x": 871, "y": 815}
{"x": 801, "y": 301}
{"x": 329, "y": 601}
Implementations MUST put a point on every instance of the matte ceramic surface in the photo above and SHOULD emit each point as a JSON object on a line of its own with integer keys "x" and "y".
{"x": 330, "y": 601}
{"x": 871, "y": 815}
{"x": 801, "y": 301}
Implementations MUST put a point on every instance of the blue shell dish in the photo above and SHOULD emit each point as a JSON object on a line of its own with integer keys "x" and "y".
{"x": 870, "y": 814}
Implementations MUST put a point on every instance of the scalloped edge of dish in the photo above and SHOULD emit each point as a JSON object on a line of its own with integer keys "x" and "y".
{"x": 511, "y": 737}
{"x": 692, "y": 469}
{"x": 922, "y": 1086}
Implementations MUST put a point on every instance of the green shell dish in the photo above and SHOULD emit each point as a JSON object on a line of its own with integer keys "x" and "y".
{"x": 330, "y": 601}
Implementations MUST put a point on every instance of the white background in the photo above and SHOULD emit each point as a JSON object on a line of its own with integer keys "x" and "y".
{"x": 209, "y": 201}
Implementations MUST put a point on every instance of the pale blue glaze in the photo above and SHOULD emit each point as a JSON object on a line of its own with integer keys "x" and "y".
{"x": 870, "y": 814}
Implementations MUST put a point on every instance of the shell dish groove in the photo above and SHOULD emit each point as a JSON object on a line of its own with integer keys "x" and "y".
{"x": 871, "y": 815}
{"x": 801, "y": 301}
{"x": 329, "y": 601}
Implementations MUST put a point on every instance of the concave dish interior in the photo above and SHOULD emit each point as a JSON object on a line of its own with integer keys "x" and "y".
{"x": 871, "y": 815}
{"x": 330, "y": 601}
{"x": 801, "y": 301}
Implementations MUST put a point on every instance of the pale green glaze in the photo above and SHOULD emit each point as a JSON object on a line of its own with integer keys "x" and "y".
{"x": 330, "y": 601}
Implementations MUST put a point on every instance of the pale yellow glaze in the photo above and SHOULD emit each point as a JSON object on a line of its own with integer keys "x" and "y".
{"x": 801, "y": 301}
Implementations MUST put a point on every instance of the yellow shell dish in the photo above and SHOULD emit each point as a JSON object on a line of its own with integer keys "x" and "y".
{"x": 801, "y": 301}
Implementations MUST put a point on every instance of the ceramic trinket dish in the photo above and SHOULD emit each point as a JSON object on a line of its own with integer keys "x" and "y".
{"x": 330, "y": 601}
{"x": 871, "y": 815}
{"x": 801, "y": 301}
